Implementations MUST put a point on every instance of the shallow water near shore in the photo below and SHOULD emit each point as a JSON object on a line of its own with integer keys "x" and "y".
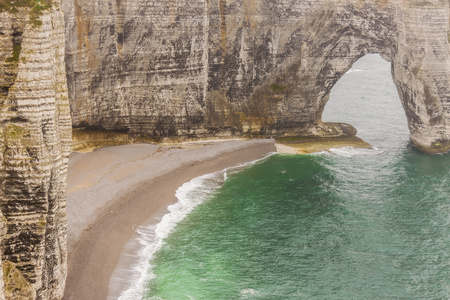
{"x": 345, "y": 224}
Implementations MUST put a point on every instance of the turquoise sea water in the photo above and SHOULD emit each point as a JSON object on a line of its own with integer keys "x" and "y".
{"x": 350, "y": 224}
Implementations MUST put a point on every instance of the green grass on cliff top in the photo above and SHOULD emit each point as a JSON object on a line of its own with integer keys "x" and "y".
{"x": 36, "y": 6}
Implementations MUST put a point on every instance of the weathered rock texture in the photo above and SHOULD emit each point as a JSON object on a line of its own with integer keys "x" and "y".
{"x": 2, "y": 233}
{"x": 220, "y": 67}
{"x": 34, "y": 148}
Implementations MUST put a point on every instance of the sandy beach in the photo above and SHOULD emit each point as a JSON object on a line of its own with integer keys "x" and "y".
{"x": 114, "y": 189}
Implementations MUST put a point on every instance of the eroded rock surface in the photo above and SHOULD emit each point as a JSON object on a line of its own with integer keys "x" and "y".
{"x": 34, "y": 147}
{"x": 2, "y": 233}
{"x": 227, "y": 67}
{"x": 185, "y": 68}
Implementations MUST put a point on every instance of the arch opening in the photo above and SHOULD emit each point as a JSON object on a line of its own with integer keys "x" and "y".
{"x": 367, "y": 98}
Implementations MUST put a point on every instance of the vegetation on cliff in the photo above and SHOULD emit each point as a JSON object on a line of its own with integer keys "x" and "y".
{"x": 36, "y": 8}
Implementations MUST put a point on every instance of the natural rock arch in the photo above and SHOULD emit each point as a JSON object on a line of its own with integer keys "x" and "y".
{"x": 225, "y": 67}
{"x": 186, "y": 67}
{"x": 367, "y": 97}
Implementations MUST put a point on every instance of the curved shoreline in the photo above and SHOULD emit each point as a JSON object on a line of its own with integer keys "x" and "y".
{"x": 106, "y": 203}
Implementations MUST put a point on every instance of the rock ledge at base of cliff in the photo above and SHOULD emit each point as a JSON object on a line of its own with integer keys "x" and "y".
{"x": 255, "y": 67}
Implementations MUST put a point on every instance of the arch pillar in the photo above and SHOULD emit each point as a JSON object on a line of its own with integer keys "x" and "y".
{"x": 415, "y": 44}
{"x": 421, "y": 72}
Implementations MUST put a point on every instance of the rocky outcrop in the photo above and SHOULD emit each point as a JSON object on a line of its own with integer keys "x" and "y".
{"x": 34, "y": 147}
{"x": 421, "y": 72}
{"x": 226, "y": 67}
{"x": 2, "y": 233}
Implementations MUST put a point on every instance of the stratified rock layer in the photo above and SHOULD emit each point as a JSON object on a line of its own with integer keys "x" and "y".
{"x": 227, "y": 67}
{"x": 34, "y": 147}
{"x": 2, "y": 233}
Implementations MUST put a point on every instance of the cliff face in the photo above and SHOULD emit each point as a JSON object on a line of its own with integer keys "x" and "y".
{"x": 34, "y": 147}
{"x": 2, "y": 233}
{"x": 187, "y": 68}
{"x": 221, "y": 67}
{"x": 421, "y": 72}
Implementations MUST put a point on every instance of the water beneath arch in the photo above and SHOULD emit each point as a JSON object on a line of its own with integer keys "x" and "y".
{"x": 349, "y": 224}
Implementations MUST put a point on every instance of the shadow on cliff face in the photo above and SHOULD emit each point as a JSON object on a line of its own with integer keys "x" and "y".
{"x": 221, "y": 68}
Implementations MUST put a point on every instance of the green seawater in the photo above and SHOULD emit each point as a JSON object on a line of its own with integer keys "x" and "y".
{"x": 350, "y": 224}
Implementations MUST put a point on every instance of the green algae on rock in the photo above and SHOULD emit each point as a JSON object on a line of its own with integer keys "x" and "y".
{"x": 36, "y": 8}
{"x": 323, "y": 138}
{"x": 259, "y": 67}
{"x": 34, "y": 148}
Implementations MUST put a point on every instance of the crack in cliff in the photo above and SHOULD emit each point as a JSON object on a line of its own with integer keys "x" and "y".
{"x": 120, "y": 23}
{"x": 223, "y": 34}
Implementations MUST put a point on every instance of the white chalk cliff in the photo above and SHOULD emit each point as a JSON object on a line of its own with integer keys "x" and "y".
{"x": 189, "y": 68}
{"x": 226, "y": 67}
{"x": 35, "y": 133}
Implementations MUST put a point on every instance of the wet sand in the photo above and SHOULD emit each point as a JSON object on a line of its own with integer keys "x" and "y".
{"x": 114, "y": 189}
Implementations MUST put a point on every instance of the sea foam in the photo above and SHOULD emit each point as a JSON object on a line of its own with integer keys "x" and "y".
{"x": 352, "y": 151}
{"x": 151, "y": 238}
{"x": 353, "y": 71}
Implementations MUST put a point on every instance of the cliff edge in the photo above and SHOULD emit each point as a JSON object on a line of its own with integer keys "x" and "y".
{"x": 35, "y": 133}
